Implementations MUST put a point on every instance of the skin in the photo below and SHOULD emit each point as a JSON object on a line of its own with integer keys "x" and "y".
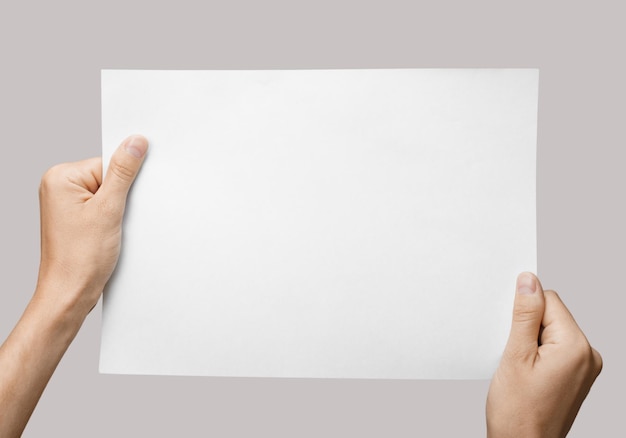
{"x": 545, "y": 373}
{"x": 81, "y": 229}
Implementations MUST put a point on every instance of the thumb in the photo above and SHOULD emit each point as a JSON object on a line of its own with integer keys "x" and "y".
{"x": 528, "y": 312}
{"x": 123, "y": 168}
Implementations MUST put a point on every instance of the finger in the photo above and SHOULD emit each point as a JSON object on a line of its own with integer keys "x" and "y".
{"x": 528, "y": 312}
{"x": 123, "y": 168}
{"x": 83, "y": 176}
{"x": 559, "y": 324}
{"x": 89, "y": 173}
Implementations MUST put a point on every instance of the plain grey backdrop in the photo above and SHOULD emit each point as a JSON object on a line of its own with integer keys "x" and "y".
{"x": 51, "y": 55}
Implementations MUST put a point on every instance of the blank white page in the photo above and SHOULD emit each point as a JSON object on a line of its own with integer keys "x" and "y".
{"x": 321, "y": 223}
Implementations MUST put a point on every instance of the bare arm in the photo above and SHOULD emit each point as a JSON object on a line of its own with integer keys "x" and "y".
{"x": 81, "y": 220}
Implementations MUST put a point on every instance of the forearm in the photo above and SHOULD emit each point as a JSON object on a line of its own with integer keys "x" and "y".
{"x": 31, "y": 353}
{"x": 81, "y": 228}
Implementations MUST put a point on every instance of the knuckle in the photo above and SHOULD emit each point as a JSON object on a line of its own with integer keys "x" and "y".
{"x": 53, "y": 177}
{"x": 598, "y": 362}
{"x": 582, "y": 354}
{"x": 122, "y": 171}
{"x": 525, "y": 313}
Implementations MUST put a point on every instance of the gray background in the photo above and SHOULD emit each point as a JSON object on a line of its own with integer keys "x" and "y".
{"x": 52, "y": 54}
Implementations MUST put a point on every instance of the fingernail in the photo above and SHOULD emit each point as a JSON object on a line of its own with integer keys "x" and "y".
{"x": 526, "y": 284}
{"x": 137, "y": 146}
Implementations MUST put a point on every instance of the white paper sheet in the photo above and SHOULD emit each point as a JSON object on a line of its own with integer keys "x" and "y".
{"x": 321, "y": 223}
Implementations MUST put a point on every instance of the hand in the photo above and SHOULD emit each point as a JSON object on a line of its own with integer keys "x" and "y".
{"x": 546, "y": 371}
{"x": 81, "y": 219}
{"x": 81, "y": 229}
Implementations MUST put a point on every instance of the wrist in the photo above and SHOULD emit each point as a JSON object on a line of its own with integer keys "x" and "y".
{"x": 68, "y": 302}
{"x": 51, "y": 324}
